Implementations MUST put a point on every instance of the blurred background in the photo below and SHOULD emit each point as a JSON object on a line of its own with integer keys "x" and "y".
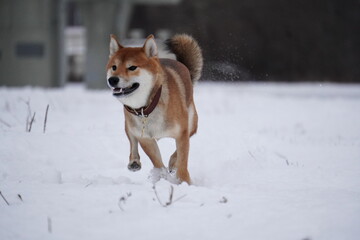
{"x": 50, "y": 43}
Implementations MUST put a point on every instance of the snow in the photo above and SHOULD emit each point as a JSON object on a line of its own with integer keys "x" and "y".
{"x": 269, "y": 161}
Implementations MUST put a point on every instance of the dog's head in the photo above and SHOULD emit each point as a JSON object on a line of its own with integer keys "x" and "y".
{"x": 132, "y": 72}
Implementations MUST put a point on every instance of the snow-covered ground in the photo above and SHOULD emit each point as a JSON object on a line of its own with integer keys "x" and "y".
{"x": 269, "y": 161}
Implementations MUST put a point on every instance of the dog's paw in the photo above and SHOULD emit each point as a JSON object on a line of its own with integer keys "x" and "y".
{"x": 134, "y": 166}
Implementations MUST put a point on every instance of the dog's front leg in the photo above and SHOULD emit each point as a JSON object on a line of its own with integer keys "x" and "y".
{"x": 134, "y": 159}
{"x": 151, "y": 149}
{"x": 182, "y": 154}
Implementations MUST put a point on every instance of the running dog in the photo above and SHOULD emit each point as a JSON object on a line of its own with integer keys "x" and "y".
{"x": 157, "y": 95}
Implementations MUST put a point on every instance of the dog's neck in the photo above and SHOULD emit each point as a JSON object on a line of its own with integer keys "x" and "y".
{"x": 146, "y": 110}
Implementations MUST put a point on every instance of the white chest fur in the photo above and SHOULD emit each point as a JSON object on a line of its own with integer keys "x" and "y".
{"x": 154, "y": 126}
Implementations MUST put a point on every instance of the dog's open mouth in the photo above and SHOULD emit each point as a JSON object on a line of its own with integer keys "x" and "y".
{"x": 125, "y": 91}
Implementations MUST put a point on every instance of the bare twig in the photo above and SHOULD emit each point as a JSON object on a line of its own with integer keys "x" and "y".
{"x": 7, "y": 106}
{"x": 29, "y": 119}
{"x": 28, "y": 115}
{"x": 223, "y": 200}
{"x": 5, "y": 123}
{"x": 46, "y": 114}
{"x": 4, "y": 198}
{"x": 19, "y": 196}
{"x": 171, "y": 195}
{"x": 283, "y": 157}
{"x": 31, "y": 122}
{"x": 252, "y": 155}
{"x": 179, "y": 198}
{"x": 49, "y": 222}
{"x": 123, "y": 199}
{"x": 157, "y": 196}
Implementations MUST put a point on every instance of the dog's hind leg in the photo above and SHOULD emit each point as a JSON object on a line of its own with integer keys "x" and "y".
{"x": 151, "y": 149}
{"x": 182, "y": 149}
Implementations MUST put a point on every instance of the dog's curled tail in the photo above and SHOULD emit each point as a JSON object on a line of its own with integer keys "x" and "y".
{"x": 188, "y": 52}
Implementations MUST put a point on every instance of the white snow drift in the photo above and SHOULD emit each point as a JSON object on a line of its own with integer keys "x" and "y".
{"x": 269, "y": 161}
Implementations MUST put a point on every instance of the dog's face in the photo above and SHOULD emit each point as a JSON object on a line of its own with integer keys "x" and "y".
{"x": 131, "y": 72}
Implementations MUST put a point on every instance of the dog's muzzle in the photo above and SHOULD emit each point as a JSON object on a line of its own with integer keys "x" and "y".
{"x": 117, "y": 91}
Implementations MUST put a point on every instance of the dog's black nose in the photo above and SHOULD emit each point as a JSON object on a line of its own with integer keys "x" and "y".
{"x": 113, "y": 81}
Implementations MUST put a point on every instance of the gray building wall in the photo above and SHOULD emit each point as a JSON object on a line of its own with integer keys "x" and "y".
{"x": 32, "y": 39}
{"x": 29, "y": 43}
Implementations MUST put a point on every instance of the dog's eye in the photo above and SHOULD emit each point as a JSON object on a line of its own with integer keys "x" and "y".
{"x": 132, "y": 68}
{"x": 113, "y": 68}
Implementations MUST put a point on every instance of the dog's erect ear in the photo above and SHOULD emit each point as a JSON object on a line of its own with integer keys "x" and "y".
{"x": 150, "y": 47}
{"x": 114, "y": 45}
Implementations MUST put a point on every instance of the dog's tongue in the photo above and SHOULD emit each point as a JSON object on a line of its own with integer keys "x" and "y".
{"x": 117, "y": 90}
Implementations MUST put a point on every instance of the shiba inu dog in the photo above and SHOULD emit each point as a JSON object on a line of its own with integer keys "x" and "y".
{"x": 157, "y": 95}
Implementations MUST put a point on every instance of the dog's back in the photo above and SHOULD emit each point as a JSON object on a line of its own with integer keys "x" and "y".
{"x": 181, "y": 75}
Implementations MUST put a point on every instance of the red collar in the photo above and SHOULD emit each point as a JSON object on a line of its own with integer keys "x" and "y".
{"x": 145, "y": 111}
